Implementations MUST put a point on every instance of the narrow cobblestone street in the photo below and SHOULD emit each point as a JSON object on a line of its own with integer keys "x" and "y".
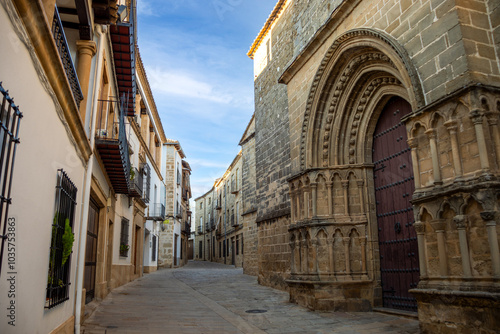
{"x": 205, "y": 297}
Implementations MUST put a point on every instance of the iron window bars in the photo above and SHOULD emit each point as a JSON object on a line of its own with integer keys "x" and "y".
{"x": 64, "y": 54}
{"x": 147, "y": 180}
{"x": 61, "y": 243}
{"x": 124, "y": 246}
{"x": 10, "y": 119}
{"x": 153, "y": 253}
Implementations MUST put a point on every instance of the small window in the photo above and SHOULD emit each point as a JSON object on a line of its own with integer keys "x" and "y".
{"x": 61, "y": 244}
{"x": 124, "y": 246}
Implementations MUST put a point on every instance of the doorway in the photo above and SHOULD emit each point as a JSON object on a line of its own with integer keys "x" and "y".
{"x": 394, "y": 187}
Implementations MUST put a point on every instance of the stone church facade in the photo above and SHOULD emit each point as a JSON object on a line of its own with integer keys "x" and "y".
{"x": 377, "y": 154}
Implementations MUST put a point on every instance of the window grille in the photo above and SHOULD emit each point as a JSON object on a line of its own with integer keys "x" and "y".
{"x": 10, "y": 118}
{"x": 147, "y": 182}
{"x": 153, "y": 255}
{"x": 124, "y": 246}
{"x": 62, "y": 241}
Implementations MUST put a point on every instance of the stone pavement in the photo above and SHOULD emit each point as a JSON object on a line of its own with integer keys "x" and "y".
{"x": 205, "y": 297}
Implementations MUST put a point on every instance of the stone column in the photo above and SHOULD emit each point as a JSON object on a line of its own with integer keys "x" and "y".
{"x": 477, "y": 119}
{"x": 439, "y": 226}
{"x": 420, "y": 229}
{"x": 314, "y": 246}
{"x": 331, "y": 259}
{"x": 495, "y": 132}
{"x": 306, "y": 202}
{"x": 362, "y": 242}
{"x": 298, "y": 213}
{"x": 306, "y": 257}
{"x": 361, "y": 197}
{"x": 491, "y": 227}
{"x": 412, "y": 142}
{"x": 461, "y": 222}
{"x": 455, "y": 149}
{"x": 431, "y": 133}
{"x": 301, "y": 262}
{"x": 329, "y": 186}
{"x": 292, "y": 203}
{"x": 346, "y": 241}
{"x": 345, "y": 185}
{"x": 292, "y": 262}
{"x": 86, "y": 50}
{"x": 314, "y": 192}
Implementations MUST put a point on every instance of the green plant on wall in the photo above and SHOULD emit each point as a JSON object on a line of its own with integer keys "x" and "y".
{"x": 124, "y": 249}
{"x": 132, "y": 173}
{"x": 67, "y": 239}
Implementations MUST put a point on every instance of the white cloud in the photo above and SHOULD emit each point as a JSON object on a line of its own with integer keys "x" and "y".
{"x": 145, "y": 8}
{"x": 183, "y": 84}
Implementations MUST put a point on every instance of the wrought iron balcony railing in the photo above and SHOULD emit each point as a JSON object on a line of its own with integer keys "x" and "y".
{"x": 200, "y": 229}
{"x": 187, "y": 228}
{"x": 136, "y": 183}
{"x": 156, "y": 211}
{"x": 111, "y": 142}
{"x": 64, "y": 54}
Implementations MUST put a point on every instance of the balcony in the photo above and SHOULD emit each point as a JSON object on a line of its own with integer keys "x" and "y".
{"x": 200, "y": 229}
{"x": 156, "y": 212}
{"x": 64, "y": 54}
{"x": 179, "y": 213}
{"x": 105, "y": 11}
{"x": 111, "y": 142}
{"x": 136, "y": 183}
{"x": 217, "y": 205}
{"x": 123, "y": 41}
{"x": 187, "y": 228}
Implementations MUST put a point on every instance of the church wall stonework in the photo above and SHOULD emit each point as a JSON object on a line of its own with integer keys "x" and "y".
{"x": 317, "y": 214}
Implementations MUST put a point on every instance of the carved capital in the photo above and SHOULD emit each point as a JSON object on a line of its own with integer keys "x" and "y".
{"x": 314, "y": 185}
{"x": 460, "y": 221}
{"x": 345, "y": 184}
{"x": 360, "y": 183}
{"x": 451, "y": 125}
{"x": 492, "y": 118}
{"x": 412, "y": 142}
{"x": 476, "y": 116}
{"x": 362, "y": 240}
{"x": 329, "y": 184}
{"x": 439, "y": 225}
{"x": 488, "y": 215}
{"x": 431, "y": 133}
{"x": 86, "y": 47}
{"x": 419, "y": 227}
{"x": 346, "y": 240}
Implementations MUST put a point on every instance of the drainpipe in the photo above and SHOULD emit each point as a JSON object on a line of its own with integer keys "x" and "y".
{"x": 99, "y": 31}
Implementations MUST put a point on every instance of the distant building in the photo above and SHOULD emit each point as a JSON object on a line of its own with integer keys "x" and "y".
{"x": 174, "y": 232}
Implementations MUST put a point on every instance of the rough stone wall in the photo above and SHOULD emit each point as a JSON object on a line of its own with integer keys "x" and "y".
{"x": 249, "y": 205}
{"x": 272, "y": 150}
{"x": 170, "y": 180}
{"x": 274, "y": 253}
{"x": 166, "y": 246}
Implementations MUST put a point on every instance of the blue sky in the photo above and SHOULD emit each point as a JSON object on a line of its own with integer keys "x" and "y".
{"x": 194, "y": 52}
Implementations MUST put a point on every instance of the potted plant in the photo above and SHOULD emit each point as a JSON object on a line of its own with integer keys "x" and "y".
{"x": 124, "y": 249}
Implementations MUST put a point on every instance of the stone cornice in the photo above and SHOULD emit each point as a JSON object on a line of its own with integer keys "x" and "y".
{"x": 40, "y": 34}
{"x": 137, "y": 131}
{"x": 267, "y": 26}
{"x": 141, "y": 72}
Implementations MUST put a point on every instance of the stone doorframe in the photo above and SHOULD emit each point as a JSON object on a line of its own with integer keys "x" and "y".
{"x": 333, "y": 235}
